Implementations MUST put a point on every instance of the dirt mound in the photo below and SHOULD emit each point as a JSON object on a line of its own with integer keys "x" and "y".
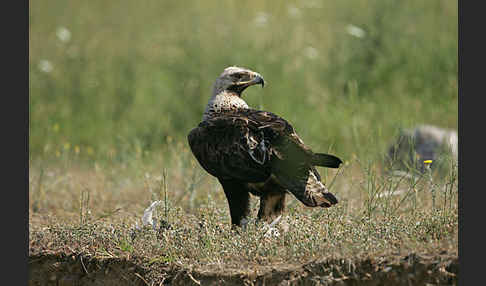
{"x": 413, "y": 269}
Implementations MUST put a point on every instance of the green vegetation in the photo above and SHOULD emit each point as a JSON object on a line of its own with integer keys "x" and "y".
{"x": 116, "y": 87}
{"x": 131, "y": 76}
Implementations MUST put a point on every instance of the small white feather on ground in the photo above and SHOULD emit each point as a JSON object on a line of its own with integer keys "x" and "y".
{"x": 147, "y": 214}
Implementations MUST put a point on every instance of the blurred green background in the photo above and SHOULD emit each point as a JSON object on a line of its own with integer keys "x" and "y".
{"x": 117, "y": 78}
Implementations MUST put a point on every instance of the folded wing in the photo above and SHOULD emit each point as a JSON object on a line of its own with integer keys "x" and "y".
{"x": 252, "y": 146}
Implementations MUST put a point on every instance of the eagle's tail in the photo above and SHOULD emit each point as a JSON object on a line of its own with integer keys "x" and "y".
{"x": 325, "y": 160}
{"x": 330, "y": 197}
{"x": 308, "y": 189}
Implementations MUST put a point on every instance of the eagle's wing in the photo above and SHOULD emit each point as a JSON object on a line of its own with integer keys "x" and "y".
{"x": 230, "y": 146}
{"x": 292, "y": 162}
{"x": 250, "y": 145}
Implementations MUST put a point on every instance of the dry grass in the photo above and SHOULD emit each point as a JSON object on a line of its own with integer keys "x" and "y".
{"x": 96, "y": 211}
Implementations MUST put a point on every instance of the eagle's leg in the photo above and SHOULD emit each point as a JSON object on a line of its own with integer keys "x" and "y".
{"x": 272, "y": 204}
{"x": 272, "y": 201}
{"x": 238, "y": 200}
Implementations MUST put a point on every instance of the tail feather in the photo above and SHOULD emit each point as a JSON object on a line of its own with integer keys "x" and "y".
{"x": 308, "y": 189}
{"x": 331, "y": 198}
{"x": 326, "y": 160}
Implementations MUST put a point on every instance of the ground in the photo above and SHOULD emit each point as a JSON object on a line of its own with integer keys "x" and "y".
{"x": 86, "y": 227}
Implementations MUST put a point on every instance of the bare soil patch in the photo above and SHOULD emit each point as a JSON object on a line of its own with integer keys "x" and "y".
{"x": 412, "y": 269}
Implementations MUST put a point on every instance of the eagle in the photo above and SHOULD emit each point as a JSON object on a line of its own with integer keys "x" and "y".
{"x": 256, "y": 152}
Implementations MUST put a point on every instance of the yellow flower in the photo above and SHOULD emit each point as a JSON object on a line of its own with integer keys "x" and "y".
{"x": 77, "y": 149}
{"x": 428, "y": 162}
{"x": 89, "y": 150}
{"x": 55, "y": 127}
{"x": 67, "y": 146}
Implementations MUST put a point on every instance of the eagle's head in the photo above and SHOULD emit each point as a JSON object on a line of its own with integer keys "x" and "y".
{"x": 236, "y": 80}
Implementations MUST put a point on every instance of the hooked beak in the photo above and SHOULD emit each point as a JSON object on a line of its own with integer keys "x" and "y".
{"x": 258, "y": 79}
{"x": 241, "y": 86}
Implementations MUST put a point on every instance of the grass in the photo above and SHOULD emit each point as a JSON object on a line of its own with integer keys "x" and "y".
{"x": 130, "y": 79}
{"x": 114, "y": 90}
{"x": 98, "y": 211}
{"x": 93, "y": 211}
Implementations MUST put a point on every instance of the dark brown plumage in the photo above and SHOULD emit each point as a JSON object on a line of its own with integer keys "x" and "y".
{"x": 258, "y": 152}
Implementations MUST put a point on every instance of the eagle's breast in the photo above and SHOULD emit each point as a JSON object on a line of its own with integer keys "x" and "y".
{"x": 223, "y": 102}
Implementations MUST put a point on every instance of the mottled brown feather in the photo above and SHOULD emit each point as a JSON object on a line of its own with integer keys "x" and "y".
{"x": 220, "y": 146}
